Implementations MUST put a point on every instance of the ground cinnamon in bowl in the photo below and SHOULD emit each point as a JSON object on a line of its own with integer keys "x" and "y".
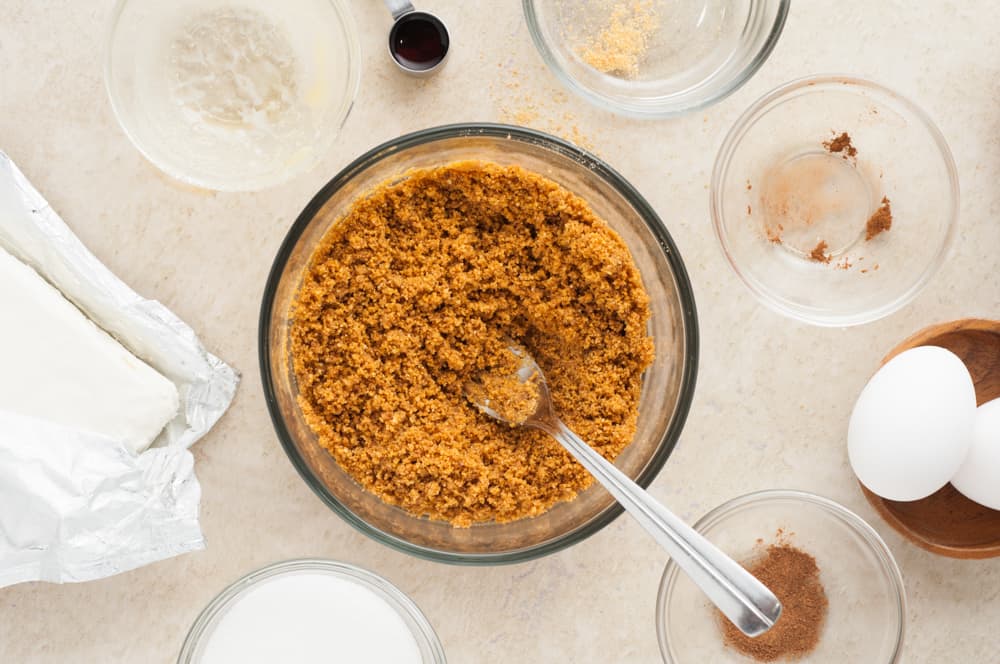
{"x": 841, "y": 144}
{"x": 798, "y": 193}
{"x": 792, "y": 575}
{"x": 880, "y": 221}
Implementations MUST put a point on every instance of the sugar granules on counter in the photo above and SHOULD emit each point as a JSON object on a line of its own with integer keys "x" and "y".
{"x": 545, "y": 110}
{"x": 621, "y": 45}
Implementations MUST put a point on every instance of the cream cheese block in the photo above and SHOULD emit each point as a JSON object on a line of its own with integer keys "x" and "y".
{"x": 57, "y": 365}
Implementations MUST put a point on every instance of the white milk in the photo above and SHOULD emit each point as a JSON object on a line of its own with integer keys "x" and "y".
{"x": 310, "y": 618}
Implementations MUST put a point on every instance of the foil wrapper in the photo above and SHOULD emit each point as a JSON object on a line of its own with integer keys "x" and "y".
{"x": 75, "y": 506}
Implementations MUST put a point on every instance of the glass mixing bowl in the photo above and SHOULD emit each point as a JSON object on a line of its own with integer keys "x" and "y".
{"x": 867, "y": 603}
{"x": 202, "y": 631}
{"x": 668, "y": 385}
{"x": 778, "y": 192}
{"x": 232, "y": 95}
{"x": 654, "y": 58}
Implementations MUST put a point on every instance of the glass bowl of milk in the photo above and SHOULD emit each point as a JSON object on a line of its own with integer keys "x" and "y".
{"x": 311, "y": 612}
{"x": 232, "y": 95}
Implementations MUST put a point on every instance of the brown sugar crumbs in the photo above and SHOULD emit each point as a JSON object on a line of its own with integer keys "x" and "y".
{"x": 841, "y": 144}
{"x": 880, "y": 221}
{"x": 794, "y": 577}
{"x": 418, "y": 290}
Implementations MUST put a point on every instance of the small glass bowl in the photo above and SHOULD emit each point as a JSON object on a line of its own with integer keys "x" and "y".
{"x": 232, "y": 95}
{"x": 779, "y": 194}
{"x": 696, "y": 52}
{"x": 867, "y": 603}
{"x": 201, "y": 631}
{"x": 667, "y": 387}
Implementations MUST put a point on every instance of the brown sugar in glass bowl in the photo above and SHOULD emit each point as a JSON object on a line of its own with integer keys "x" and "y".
{"x": 946, "y": 522}
{"x": 666, "y": 388}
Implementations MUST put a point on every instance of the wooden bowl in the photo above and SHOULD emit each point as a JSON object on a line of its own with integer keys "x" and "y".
{"x": 946, "y": 522}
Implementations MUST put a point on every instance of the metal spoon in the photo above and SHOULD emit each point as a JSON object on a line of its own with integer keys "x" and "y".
{"x": 744, "y": 600}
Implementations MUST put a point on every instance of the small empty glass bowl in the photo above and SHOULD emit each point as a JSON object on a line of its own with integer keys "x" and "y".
{"x": 232, "y": 95}
{"x": 867, "y": 603}
{"x": 801, "y": 183}
{"x": 654, "y": 58}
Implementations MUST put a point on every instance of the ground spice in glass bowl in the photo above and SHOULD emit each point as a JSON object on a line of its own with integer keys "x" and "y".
{"x": 852, "y": 203}
{"x": 794, "y": 577}
{"x": 842, "y": 594}
{"x": 799, "y": 198}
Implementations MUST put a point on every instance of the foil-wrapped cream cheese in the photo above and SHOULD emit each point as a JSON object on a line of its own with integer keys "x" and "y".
{"x": 60, "y": 367}
{"x": 91, "y": 375}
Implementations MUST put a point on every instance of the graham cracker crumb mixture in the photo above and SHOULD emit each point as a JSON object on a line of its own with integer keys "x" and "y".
{"x": 418, "y": 290}
{"x": 502, "y": 390}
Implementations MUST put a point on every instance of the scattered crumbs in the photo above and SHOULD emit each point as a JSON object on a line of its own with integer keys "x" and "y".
{"x": 749, "y": 186}
{"x": 749, "y": 210}
{"x": 880, "y": 221}
{"x": 819, "y": 254}
{"x": 843, "y": 264}
{"x": 875, "y": 267}
{"x": 774, "y": 234}
{"x": 621, "y": 45}
{"x": 841, "y": 145}
{"x": 864, "y": 270}
{"x": 517, "y": 104}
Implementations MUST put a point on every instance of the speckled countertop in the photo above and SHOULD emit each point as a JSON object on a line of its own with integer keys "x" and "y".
{"x": 773, "y": 396}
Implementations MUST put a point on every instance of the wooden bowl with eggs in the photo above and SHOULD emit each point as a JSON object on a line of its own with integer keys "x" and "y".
{"x": 946, "y": 522}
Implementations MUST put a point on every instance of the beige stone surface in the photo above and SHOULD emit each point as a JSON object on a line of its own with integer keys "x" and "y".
{"x": 773, "y": 396}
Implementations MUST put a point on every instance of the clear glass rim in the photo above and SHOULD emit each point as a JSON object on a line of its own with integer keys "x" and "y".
{"x": 260, "y": 182}
{"x": 687, "y": 315}
{"x": 721, "y": 169}
{"x": 877, "y": 545}
{"x": 660, "y": 108}
{"x": 398, "y": 599}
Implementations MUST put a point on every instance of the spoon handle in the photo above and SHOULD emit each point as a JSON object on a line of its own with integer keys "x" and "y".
{"x": 742, "y": 598}
{"x": 398, "y": 7}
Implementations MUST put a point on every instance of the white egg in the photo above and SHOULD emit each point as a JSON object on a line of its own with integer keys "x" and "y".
{"x": 912, "y": 424}
{"x": 979, "y": 477}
